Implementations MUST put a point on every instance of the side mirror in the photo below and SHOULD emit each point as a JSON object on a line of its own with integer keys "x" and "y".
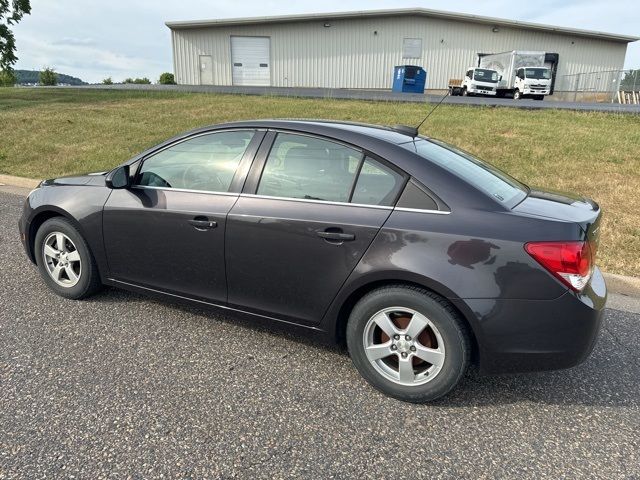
{"x": 119, "y": 178}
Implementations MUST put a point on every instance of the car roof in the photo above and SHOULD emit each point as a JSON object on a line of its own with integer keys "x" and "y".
{"x": 330, "y": 128}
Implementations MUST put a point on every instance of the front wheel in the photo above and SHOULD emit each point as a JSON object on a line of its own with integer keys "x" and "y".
{"x": 517, "y": 95}
{"x": 64, "y": 260}
{"x": 408, "y": 343}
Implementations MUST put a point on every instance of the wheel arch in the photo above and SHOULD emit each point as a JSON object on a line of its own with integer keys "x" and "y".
{"x": 347, "y": 299}
{"x": 42, "y": 215}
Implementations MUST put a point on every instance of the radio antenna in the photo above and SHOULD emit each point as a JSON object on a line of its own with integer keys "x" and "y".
{"x": 432, "y": 110}
{"x": 413, "y": 131}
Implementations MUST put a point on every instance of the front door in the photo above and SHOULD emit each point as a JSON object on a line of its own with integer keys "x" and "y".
{"x": 167, "y": 231}
{"x": 295, "y": 238}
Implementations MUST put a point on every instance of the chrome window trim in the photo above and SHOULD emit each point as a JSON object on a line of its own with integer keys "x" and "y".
{"x": 421, "y": 210}
{"x": 185, "y": 190}
{"x": 308, "y": 200}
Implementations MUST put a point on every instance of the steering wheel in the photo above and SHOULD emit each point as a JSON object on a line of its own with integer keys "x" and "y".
{"x": 199, "y": 175}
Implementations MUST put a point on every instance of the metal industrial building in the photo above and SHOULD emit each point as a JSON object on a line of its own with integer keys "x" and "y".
{"x": 360, "y": 49}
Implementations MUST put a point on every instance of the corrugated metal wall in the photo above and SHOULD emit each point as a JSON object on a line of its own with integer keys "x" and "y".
{"x": 350, "y": 54}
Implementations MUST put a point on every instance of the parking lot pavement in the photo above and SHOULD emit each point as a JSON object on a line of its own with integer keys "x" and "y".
{"x": 120, "y": 385}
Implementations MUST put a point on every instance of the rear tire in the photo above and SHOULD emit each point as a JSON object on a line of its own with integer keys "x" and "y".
{"x": 64, "y": 260}
{"x": 430, "y": 354}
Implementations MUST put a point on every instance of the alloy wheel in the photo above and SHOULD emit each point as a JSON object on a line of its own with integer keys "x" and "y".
{"x": 62, "y": 259}
{"x": 404, "y": 346}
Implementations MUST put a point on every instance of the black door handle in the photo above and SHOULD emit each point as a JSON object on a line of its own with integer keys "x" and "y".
{"x": 336, "y": 235}
{"x": 203, "y": 223}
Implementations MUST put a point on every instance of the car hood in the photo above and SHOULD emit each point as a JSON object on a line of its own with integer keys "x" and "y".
{"x": 90, "y": 178}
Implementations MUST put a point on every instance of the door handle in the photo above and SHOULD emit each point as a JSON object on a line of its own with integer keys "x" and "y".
{"x": 335, "y": 235}
{"x": 203, "y": 223}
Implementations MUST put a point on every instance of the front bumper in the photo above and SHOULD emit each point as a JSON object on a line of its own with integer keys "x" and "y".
{"x": 528, "y": 91}
{"x": 481, "y": 91}
{"x": 533, "y": 335}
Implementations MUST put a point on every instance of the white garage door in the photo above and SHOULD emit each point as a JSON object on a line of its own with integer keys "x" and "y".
{"x": 250, "y": 60}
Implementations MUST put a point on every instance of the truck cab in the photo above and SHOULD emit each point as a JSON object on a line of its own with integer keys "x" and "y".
{"x": 477, "y": 81}
{"x": 480, "y": 81}
{"x": 532, "y": 82}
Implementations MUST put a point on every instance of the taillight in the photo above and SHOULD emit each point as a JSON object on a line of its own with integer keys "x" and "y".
{"x": 571, "y": 262}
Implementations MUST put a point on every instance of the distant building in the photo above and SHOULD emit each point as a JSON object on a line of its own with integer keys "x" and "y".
{"x": 360, "y": 49}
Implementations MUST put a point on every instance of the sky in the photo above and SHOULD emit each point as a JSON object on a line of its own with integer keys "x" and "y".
{"x": 93, "y": 40}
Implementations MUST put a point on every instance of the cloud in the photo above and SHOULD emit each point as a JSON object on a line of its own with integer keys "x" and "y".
{"x": 74, "y": 41}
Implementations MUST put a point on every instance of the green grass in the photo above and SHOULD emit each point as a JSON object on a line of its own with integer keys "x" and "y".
{"x": 45, "y": 133}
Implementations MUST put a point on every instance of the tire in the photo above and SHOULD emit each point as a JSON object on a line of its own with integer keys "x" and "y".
{"x": 445, "y": 332}
{"x": 517, "y": 95}
{"x": 73, "y": 258}
{"x": 465, "y": 93}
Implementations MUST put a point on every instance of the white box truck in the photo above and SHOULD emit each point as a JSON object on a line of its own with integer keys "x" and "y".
{"x": 477, "y": 81}
{"x": 521, "y": 74}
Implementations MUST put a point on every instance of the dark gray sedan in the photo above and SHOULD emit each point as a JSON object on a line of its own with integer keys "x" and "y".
{"x": 421, "y": 257}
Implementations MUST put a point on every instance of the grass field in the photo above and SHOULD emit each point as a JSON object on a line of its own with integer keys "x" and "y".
{"x": 45, "y": 133}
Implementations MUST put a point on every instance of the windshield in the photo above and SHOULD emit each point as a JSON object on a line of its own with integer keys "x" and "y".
{"x": 483, "y": 176}
{"x": 537, "y": 73}
{"x": 483, "y": 75}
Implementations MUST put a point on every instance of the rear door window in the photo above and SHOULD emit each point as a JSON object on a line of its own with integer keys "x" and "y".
{"x": 309, "y": 168}
{"x": 377, "y": 184}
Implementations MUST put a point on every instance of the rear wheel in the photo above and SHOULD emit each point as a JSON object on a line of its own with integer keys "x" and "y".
{"x": 64, "y": 260}
{"x": 408, "y": 343}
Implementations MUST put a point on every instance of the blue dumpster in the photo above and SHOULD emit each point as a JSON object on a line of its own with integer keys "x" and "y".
{"x": 409, "y": 78}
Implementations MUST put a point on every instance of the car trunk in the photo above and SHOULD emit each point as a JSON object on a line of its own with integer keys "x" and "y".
{"x": 564, "y": 207}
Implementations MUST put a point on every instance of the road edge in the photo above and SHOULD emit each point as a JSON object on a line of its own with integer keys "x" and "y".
{"x": 621, "y": 284}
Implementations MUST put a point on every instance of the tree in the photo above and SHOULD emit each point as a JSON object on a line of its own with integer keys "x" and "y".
{"x": 7, "y": 78}
{"x": 167, "y": 79}
{"x": 107, "y": 81}
{"x": 10, "y": 14}
{"x": 48, "y": 76}
{"x": 631, "y": 80}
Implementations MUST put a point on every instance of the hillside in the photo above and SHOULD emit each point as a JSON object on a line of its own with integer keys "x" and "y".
{"x": 31, "y": 76}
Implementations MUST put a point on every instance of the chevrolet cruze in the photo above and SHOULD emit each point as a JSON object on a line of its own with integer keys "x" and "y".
{"x": 422, "y": 258}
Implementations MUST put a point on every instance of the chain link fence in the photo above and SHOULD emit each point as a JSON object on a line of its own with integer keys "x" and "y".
{"x": 602, "y": 86}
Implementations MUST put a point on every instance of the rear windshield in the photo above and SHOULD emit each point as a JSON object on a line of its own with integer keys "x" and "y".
{"x": 483, "y": 176}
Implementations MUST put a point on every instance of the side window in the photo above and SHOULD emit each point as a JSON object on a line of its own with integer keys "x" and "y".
{"x": 207, "y": 162}
{"x": 414, "y": 196}
{"x": 377, "y": 184}
{"x": 310, "y": 168}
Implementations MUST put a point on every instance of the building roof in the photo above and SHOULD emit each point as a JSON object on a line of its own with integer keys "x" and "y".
{"x": 424, "y": 12}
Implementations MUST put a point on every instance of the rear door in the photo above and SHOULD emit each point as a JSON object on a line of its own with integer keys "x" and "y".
{"x": 309, "y": 211}
{"x": 167, "y": 231}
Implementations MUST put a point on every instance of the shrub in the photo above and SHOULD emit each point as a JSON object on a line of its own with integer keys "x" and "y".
{"x": 167, "y": 79}
{"x": 107, "y": 81}
{"x": 48, "y": 77}
{"x": 7, "y": 78}
{"x": 139, "y": 81}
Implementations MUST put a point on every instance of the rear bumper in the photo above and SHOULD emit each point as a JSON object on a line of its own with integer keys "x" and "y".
{"x": 534, "y": 335}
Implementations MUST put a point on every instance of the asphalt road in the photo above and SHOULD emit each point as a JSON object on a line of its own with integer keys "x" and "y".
{"x": 121, "y": 386}
{"x": 379, "y": 95}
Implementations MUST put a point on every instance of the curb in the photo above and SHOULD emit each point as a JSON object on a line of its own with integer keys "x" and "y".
{"x": 621, "y": 284}
{"x": 18, "y": 181}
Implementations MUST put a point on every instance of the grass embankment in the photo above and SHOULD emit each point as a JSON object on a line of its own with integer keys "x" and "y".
{"x": 45, "y": 133}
